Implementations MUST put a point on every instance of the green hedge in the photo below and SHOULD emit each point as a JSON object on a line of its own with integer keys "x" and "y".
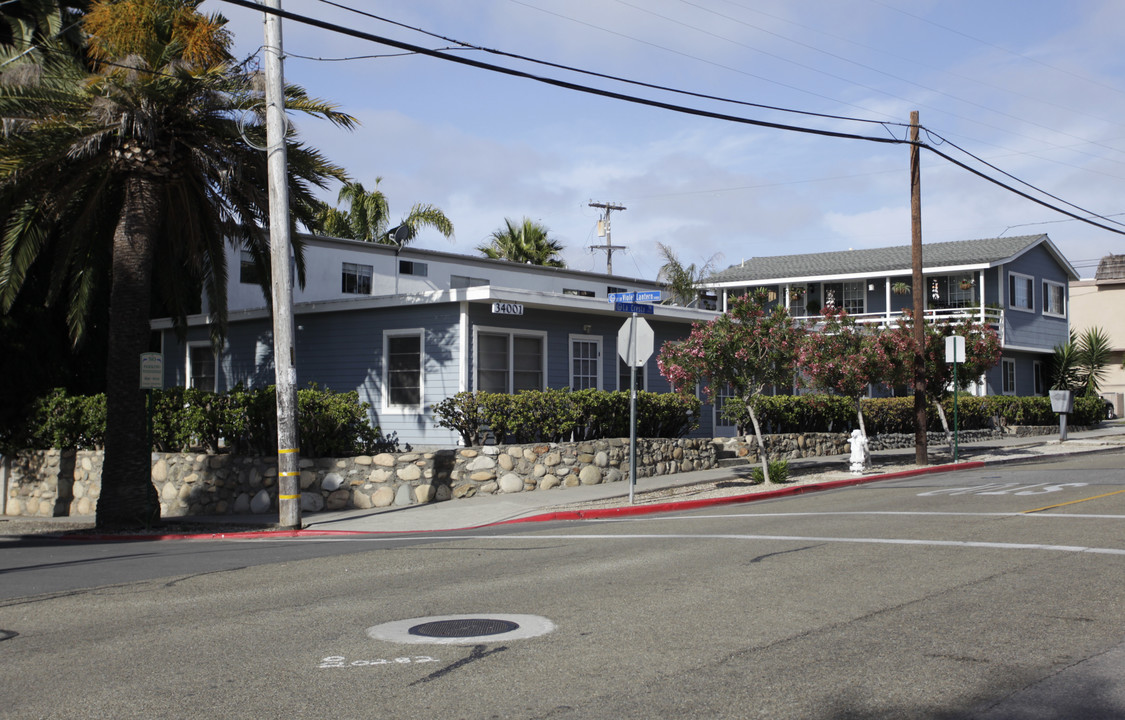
{"x": 329, "y": 424}
{"x": 833, "y": 413}
{"x": 561, "y": 415}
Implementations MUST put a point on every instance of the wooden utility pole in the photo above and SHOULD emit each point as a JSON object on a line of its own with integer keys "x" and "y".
{"x": 284, "y": 355}
{"x": 921, "y": 456}
{"x": 604, "y": 229}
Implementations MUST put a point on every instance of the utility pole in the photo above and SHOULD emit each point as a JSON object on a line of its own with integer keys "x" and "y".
{"x": 604, "y": 230}
{"x": 921, "y": 456}
{"x": 284, "y": 355}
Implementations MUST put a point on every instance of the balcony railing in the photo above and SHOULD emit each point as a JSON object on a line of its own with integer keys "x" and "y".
{"x": 989, "y": 316}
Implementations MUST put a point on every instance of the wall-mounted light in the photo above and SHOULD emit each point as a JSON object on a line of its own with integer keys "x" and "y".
{"x": 871, "y": 287}
{"x": 586, "y": 329}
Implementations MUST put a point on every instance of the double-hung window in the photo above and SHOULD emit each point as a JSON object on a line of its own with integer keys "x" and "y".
{"x": 1008, "y": 372}
{"x": 247, "y": 268}
{"x": 1054, "y": 299}
{"x": 202, "y": 366}
{"x": 403, "y": 358}
{"x": 355, "y": 279}
{"x": 624, "y": 376}
{"x": 510, "y": 360}
{"x": 1021, "y": 292}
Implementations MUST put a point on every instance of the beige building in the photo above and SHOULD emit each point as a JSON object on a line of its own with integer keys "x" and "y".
{"x": 1101, "y": 303}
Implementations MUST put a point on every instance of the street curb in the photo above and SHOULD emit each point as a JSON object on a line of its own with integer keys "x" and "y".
{"x": 633, "y": 510}
{"x": 593, "y": 514}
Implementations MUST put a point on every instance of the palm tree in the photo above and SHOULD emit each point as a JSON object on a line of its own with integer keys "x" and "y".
{"x": 140, "y": 170}
{"x": 682, "y": 283}
{"x": 528, "y": 242}
{"x": 368, "y": 217}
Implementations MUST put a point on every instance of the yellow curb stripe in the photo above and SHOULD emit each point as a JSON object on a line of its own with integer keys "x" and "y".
{"x": 1072, "y": 502}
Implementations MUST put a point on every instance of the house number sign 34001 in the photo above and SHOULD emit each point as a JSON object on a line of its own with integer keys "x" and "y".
{"x": 504, "y": 308}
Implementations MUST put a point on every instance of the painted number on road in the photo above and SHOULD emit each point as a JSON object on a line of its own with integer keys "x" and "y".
{"x": 339, "y": 661}
{"x": 1003, "y": 489}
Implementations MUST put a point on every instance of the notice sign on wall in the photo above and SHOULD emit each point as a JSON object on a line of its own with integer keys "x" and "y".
{"x": 152, "y": 371}
{"x": 503, "y": 308}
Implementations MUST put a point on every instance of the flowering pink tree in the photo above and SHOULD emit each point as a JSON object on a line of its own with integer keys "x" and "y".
{"x": 747, "y": 348}
{"x": 895, "y": 350}
{"x": 841, "y": 357}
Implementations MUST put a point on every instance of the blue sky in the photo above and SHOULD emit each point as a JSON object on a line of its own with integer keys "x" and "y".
{"x": 1035, "y": 87}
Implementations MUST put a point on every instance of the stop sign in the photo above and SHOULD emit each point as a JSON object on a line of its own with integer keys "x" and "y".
{"x": 635, "y": 349}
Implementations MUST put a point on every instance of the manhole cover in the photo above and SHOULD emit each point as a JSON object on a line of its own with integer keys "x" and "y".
{"x": 461, "y": 629}
{"x": 469, "y": 627}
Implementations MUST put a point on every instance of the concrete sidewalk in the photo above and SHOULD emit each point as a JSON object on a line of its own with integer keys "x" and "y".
{"x": 485, "y": 510}
{"x": 492, "y": 509}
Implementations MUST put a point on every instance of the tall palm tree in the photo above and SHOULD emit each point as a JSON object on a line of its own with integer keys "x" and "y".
{"x": 528, "y": 242}
{"x": 140, "y": 170}
{"x": 368, "y": 217}
{"x": 682, "y": 283}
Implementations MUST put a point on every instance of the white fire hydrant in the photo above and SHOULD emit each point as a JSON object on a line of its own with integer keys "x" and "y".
{"x": 860, "y": 458}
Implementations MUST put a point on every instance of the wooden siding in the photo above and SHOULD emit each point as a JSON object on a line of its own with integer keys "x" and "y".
{"x": 1033, "y": 329}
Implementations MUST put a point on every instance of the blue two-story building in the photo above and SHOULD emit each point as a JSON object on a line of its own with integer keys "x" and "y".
{"x": 1019, "y": 285}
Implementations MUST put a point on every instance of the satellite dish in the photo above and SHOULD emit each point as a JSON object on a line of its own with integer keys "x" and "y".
{"x": 402, "y": 234}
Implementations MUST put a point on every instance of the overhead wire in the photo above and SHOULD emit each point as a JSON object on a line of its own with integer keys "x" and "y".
{"x": 371, "y": 37}
{"x": 333, "y": 27}
{"x": 605, "y": 76}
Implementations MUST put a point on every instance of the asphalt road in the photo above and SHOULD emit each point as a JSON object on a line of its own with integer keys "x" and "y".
{"x": 988, "y": 594}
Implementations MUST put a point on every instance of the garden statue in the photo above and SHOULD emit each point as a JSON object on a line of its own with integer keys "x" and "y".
{"x": 860, "y": 458}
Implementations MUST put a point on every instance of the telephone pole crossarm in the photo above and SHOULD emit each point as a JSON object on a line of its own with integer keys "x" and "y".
{"x": 604, "y": 230}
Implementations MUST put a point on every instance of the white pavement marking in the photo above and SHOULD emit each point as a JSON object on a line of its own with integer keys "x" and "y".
{"x": 1022, "y": 514}
{"x": 784, "y": 538}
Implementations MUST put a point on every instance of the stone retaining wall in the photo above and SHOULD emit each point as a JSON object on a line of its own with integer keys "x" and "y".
{"x": 47, "y": 483}
{"x": 51, "y": 482}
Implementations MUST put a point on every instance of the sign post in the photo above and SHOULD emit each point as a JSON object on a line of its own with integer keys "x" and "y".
{"x": 634, "y": 345}
{"x": 152, "y": 378}
{"x": 955, "y": 353}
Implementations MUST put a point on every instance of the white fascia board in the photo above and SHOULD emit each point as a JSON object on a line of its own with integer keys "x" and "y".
{"x": 1021, "y": 348}
{"x": 848, "y": 276}
{"x": 478, "y": 294}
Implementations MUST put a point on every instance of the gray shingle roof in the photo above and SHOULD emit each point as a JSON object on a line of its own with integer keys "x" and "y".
{"x": 876, "y": 260}
{"x": 1111, "y": 267}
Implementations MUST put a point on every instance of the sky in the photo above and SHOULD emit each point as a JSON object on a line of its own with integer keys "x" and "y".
{"x": 1034, "y": 87}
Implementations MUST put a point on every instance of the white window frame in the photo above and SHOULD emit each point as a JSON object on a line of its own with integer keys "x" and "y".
{"x": 188, "y": 376}
{"x": 1007, "y": 373}
{"x": 597, "y": 340}
{"x": 1048, "y": 285}
{"x": 360, "y": 271}
{"x": 512, "y": 334}
{"x": 388, "y": 335}
{"x": 722, "y": 396}
{"x": 1020, "y": 277}
{"x": 853, "y": 291}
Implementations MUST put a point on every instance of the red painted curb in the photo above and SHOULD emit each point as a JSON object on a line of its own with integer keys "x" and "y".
{"x": 594, "y": 514}
{"x": 602, "y": 513}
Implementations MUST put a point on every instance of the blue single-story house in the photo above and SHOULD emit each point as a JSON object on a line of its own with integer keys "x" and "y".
{"x": 407, "y": 328}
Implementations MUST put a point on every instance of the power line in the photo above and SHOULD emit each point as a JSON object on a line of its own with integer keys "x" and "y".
{"x": 605, "y": 76}
{"x": 351, "y": 32}
{"x": 249, "y": 4}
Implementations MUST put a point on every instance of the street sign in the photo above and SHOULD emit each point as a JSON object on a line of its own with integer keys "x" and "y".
{"x": 152, "y": 371}
{"x": 635, "y": 348}
{"x": 503, "y": 308}
{"x": 955, "y": 349}
{"x": 645, "y": 296}
{"x": 630, "y": 307}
